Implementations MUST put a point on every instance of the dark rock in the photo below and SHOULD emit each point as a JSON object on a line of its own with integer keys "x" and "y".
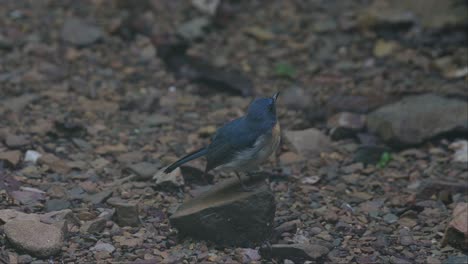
{"x": 56, "y": 205}
{"x": 197, "y": 70}
{"x": 429, "y": 187}
{"x": 295, "y": 252}
{"x": 415, "y": 119}
{"x": 98, "y": 198}
{"x": 345, "y": 125}
{"x": 80, "y": 33}
{"x": 94, "y": 226}
{"x": 456, "y": 259}
{"x": 34, "y": 237}
{"x": 126, "y": 214}
{"x": 228, "y": 215}
{"x": 369, "y": 154}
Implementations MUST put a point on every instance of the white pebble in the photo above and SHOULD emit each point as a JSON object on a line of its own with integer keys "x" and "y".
{"x": 32, "y": 156}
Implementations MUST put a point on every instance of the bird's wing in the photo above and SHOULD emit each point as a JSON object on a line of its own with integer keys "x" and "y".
{"x": 228, "y": 141}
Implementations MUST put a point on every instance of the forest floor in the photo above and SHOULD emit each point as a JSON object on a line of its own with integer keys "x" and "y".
{"x": 102, "y": 90}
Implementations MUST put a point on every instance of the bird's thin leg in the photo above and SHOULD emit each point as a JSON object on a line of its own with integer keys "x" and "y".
{"x": 244, "y": 188}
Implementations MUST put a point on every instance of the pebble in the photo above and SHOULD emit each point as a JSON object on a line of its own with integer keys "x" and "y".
{"x": 32, "y": 156}
{"x": 80, "y": 33}
{"x": 390, "y": 218}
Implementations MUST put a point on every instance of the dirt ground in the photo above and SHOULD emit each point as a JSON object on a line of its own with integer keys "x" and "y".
{"x": 113, "y": 89}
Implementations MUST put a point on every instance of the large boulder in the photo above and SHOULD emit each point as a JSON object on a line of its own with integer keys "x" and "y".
{"x": 228, "y": 215}
{"x": 415, "y": 119}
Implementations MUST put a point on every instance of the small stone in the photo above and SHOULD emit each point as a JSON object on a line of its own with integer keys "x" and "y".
{"x": 93, "y": 226}
{"x": 80, "y": 33}
{"x": 34, "y": 237}
{"x": 311, "y": 179}
{"x": 461, "y": 151}
{"x": 12, "y": 157}
{"x": 54, "y": 163}
{"x": 24, "y": 259}
{"x": 16, "y": 141}
{"x": 250, "y": 255}
{"x": 194, "y": 29}
{"x": 390, "y": 218}
{"x": 259, "y": 33}
{"x": 56, "y": 205}
{"x": 206, "y": 6}
{"x": 100, "y": 246}
{"x": 126, "y": 214}
{"x": 32, "y": 156}
{"x": 27, "y": 197}
{"x": 98, "y": 198}
{"x": 144, "y": 170}
{"x": 308, "y": 143}
{"x": 172, "y": 179}
{"x": 345, "y": 124}
{"x": 296, "y": 252}
{"x": 406, "y": 238}
{"x": 130, "y": 157}
{"x": 384, "y": 48}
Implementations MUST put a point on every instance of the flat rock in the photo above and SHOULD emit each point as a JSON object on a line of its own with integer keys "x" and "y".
{"x": 228, "y": 215}
{"x": 94, "y": 226}
{"x": 144, "y": 170}
{"x": 56, "y": 204}
{"x": 295, "y": 252}
{"x": 441, "y": 14}
{"x": 80, "y": 33}
{"x": 34, "y": 237}
{"x": 12, "y": 157}
{"x": 415, "y": 119}
{"x": 16, "y": 141}
{"x": 309, "y": 143}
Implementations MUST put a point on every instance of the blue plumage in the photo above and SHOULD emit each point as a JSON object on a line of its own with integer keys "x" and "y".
{"x": 243, "y": 143}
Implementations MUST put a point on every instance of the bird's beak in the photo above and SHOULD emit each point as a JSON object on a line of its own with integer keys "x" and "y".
{"x": 275, "y": 96}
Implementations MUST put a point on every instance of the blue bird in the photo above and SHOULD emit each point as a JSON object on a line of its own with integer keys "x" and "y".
{"x": 242, "y": 144}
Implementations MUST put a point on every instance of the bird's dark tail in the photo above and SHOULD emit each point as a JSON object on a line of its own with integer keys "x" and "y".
{"x": 191, "y": 156}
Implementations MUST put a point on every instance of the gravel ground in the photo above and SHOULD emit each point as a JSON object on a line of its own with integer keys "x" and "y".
{"x": 96, "y": 96}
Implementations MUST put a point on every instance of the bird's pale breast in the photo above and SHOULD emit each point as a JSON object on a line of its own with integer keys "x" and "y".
{"x": 263, "y": 148}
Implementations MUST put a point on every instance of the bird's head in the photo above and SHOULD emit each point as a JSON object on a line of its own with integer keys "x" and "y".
{"x": 263, "y": 109}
